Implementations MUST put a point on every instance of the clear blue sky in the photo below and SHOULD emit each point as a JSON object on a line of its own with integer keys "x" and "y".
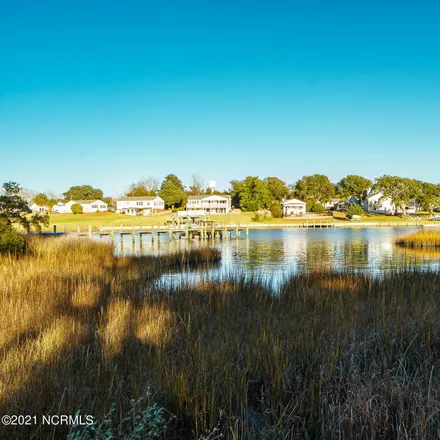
{"x": 109, "y": 92}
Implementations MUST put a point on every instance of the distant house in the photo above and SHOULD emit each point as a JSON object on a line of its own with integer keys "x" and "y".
{"x": 145, "y": 205}
{"x": 209, "y": 204}
{"x": 379, "y": 204}
{"x": 88, "y": 206}
{"x": 38, "y": 208}
{"x": 60, "y": 208}
{"x": 293, "y": 207}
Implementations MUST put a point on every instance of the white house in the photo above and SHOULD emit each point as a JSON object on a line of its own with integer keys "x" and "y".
{"x": 88, "y": 206}
{"x": 145, "y": 205}
{"x": 294, "y": 207}
{"x": 379, "y": 204}
{"x": 382, "y": 205}
{"x": 37, "y": 208}
{"x": 209, "y": 204}
{"x": 60, "y": 208}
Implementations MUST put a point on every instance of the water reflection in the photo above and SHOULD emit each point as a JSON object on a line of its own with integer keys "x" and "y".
{"x": 275, "y": 253}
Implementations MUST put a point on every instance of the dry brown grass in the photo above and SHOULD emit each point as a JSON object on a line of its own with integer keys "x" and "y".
{"x": 425, "y": 238}
{"x": 331, "y": 356}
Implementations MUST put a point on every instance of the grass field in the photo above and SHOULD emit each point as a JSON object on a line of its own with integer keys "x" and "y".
{"x": 113, "y": 219}
{"x": 331, "y": 355}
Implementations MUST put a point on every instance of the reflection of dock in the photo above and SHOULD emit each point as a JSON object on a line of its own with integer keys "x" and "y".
{"x": 211, "y": 229}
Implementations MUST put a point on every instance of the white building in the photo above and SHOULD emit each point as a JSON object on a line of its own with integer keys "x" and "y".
{"x": 379, "y": 204}
{"x": 145, "y": 205}
{"x": 209, "y": 204}
{"x": 294, "y": 207}
{"x": 37, "y": 208}
{"x": 60, "y": 208}
{"x": 88, "y": 206}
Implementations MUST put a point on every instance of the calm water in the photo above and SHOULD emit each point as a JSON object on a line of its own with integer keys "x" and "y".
{"x": 275, "y": 253}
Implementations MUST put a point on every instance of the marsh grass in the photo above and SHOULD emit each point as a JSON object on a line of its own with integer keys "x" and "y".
{"x": 330, "y": 355}
{"x": 425, "y": 238}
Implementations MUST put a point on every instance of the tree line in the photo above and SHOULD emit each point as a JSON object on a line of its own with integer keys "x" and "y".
{"x": 254, "y": 193}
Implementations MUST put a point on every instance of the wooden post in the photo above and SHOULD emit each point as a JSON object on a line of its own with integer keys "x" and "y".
{"x": 247, "y": 231}
{"x": 65, "y": 229}
{"x": 113, "y": 232}
{"x": 186, "y": 231}
{"x": 90, "y": 231}
{"x": 152, "y": 234}
{"x": 78, "y": 229}
{"x": 170, "y": 233}
{"x": 54, "y": 229}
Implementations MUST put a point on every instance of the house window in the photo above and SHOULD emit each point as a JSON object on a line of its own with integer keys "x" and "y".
{"x": 139, "y": 203}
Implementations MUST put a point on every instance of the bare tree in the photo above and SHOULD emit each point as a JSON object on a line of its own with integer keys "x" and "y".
{"x": 197, "y": 185}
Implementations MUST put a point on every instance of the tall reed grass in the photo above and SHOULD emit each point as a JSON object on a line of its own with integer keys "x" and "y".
{"x": 425, "y": 238}
{"x": 330, "y": 355}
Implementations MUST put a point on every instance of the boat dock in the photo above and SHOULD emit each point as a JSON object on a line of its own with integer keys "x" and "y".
{"x": 210, "y": 230}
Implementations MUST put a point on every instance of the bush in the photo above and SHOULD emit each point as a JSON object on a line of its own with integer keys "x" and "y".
{"x": 12, "y": 242}
{"x": 315, "y": 207}
{"x": 355, "y": 209}
{"x": 276, "y": 210}
{"x": 262, "y": 216}
{"x": 77, "y": 208}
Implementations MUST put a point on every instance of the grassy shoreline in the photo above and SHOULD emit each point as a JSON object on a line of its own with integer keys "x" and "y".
{"x": 71, "y": 221}
{"x": 426, "y": 238}
{"x": 331, "y": 355}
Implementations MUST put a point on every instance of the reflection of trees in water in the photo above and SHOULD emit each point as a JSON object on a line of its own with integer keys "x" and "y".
{"x": 354, "y": 253}
{"x": 258, "y": 253}
{"x": 318, "y": 254}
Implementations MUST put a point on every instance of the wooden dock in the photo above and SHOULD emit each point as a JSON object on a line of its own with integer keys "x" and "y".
{"x": 212, "y": 229}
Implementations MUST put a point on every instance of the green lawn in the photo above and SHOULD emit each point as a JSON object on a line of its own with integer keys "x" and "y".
{"x": 111, "y": 219}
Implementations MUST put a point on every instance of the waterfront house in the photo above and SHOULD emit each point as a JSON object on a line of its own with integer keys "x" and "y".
{"x": 39, "y": 208}
{"x": 293, "y": 207}
{"x": 60, "y": 208}
{"x": 209, "y": 204}
{"x": 379, "y": 204}
{"x": 145, "y": 205}
{"x": 88, "y": 206}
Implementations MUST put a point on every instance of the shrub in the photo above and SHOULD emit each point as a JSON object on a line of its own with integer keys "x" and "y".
{"x": 261, "y": 216}
{"x": 315, "y": 207}
{"x": 77, "y": 208}
{"x": 12, "y": 242}
{"x": 276, "y": 210}
{"x": 355, "y": 209}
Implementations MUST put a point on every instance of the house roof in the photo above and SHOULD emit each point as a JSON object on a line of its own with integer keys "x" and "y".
{"x": 127, "y": 199}
{"x": 293, "y": 201}
{"x": 205, "y": 196}
{"x": 87, "y": 202}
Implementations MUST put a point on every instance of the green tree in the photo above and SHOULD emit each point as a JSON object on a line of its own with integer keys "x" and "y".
{"x": 355, "y": 209}
{"x": 172, "y": 191}
{"x": 315, "y": 207}
{"x": 353, "y": 186}
{"x": 400, "y": 190}
{"x": 316, "y": 188}
{"x": 429, "y": 196}
{"x": 77, "y": 208}
{"x": 15, "y": 210}
{"x": 83, "y": 192}
{"x": 276, "y": 210}
{"x": 277, "y": 188}
{"x": 41, "y": 199}
{"x": 251, "y": 193}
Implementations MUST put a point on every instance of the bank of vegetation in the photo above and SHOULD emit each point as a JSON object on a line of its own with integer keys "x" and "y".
{"x": 330, "y": 355}
{"x": 424, "y": 238}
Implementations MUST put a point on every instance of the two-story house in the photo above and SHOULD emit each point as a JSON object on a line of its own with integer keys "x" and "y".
{"x": 145, "y": 205}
